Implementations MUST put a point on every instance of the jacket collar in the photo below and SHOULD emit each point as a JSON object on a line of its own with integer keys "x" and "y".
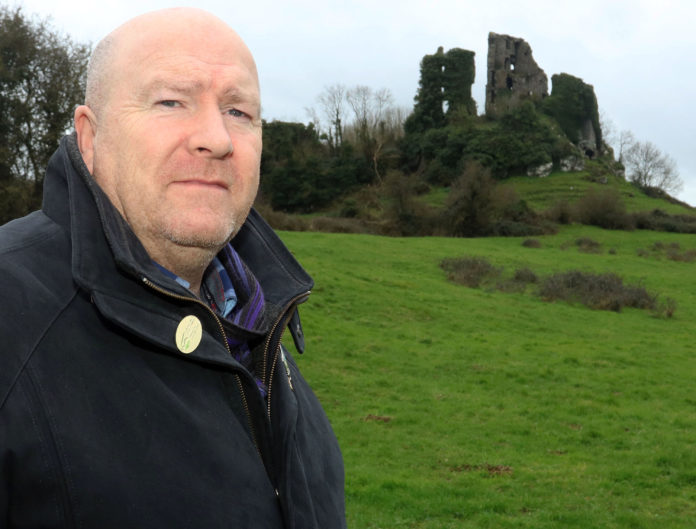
{"x": 107, "y": 256}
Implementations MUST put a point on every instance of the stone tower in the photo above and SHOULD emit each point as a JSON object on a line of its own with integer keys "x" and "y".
{"x": 513, "y": 75}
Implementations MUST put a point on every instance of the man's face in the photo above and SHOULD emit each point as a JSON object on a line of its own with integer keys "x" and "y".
{"x": 178, "y": 143}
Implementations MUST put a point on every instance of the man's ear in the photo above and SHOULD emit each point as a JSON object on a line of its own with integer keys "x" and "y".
{"x": 86, "y": 128}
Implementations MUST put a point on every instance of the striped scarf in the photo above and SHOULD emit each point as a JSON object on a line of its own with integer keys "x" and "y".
{"x": 234, "y": 293}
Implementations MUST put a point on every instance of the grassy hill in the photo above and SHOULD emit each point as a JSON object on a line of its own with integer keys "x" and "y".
{"x": 543, "y": 193}
{"x": 460, "y": 407}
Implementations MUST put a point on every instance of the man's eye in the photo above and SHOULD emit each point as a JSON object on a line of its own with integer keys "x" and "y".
{"x": 237, "y": 113}
{"x": 169, "y": 103}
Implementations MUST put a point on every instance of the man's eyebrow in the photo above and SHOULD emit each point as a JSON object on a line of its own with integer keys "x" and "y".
{"x": 175, "y": 85}
{"x": 235, "y": 95}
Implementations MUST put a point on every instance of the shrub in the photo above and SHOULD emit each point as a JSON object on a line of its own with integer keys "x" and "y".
{"x": 405, "y": 214}
{"x": 531, "y": 243}
{"x": 597, "y": 291}
{"x": 587, "y": 245}
{"x": 603, "y": 208}
{"x": 469, "y": 271}
{"x": 525, "y": 275}
{"x": 469, "y": 207}
{"x": 560, "y": 212}
{"x": 687, "y": 256}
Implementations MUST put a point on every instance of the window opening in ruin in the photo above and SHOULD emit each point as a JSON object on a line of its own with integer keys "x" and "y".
{"x": 509, "y": 82}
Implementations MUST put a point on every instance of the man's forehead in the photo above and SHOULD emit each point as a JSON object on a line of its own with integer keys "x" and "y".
{"x": 231, "y": 81}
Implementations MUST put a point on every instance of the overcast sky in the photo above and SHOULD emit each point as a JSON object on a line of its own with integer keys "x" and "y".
{"x": 638, "y": 55}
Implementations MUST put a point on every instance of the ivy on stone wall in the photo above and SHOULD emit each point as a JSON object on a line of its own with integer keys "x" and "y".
{"x": 444, "y": 89}
{"x": 573, "y": 105}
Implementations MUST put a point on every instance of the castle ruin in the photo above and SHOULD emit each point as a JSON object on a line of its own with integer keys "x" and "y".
{"x": 513, "y": 74}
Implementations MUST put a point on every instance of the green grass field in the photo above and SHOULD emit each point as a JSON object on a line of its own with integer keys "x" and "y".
{"x": 459, "y": 407}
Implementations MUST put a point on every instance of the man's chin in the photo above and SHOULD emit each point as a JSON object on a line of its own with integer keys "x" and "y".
{"x": 208, "y": 240}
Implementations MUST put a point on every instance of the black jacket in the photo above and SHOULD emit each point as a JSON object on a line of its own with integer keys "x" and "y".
{"x": 104, "y": 423}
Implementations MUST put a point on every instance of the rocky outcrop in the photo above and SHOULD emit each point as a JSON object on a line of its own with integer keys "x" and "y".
{"x": 513, "y": 74}
{"x": 541, "y": 171}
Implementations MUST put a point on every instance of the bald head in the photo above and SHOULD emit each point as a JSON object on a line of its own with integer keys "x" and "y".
{"x": 148, "y": 33}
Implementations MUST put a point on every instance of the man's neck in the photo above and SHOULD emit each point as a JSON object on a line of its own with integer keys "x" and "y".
{"x": 186, "y": 262}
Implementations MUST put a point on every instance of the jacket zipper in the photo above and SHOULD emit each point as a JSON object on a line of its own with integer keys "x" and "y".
{"x": 284, "y": 318}
{"x": 245, "y": 404}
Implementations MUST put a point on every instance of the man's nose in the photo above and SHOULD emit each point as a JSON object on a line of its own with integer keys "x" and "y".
{"x": 211, "y": 137}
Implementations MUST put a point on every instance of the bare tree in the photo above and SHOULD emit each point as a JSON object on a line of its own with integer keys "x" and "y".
{"x": 376, "y": 121}
{"x": 332, "y": 104}
{"x": 625, "y": 141}
{"x": 648, "y": 166}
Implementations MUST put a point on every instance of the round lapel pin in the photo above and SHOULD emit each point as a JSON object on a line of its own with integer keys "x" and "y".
{"x": 189, "y": 334}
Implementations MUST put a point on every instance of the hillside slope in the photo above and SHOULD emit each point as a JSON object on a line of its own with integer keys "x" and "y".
{"x": 543, "y": 193}
{"x": 460, "y": 407}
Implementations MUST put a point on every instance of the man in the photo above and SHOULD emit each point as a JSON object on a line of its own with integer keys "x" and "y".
{"x": 143, "y": 381}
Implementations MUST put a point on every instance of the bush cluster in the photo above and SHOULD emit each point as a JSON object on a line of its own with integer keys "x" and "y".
{"x": 672, "y": 251}
{"x": 658, "y": 220}
{"x": 596, "y": 291}
{"x": 603, "y": 208}
{"x": 469, "y": 271}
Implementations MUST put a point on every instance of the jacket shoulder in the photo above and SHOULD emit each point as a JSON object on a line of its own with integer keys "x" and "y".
{"x": 36, "y": 285}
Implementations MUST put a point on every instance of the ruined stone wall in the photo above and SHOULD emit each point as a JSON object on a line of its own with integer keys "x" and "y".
{"x": 444, "y": 89}
{"x": 513, "y": 75}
